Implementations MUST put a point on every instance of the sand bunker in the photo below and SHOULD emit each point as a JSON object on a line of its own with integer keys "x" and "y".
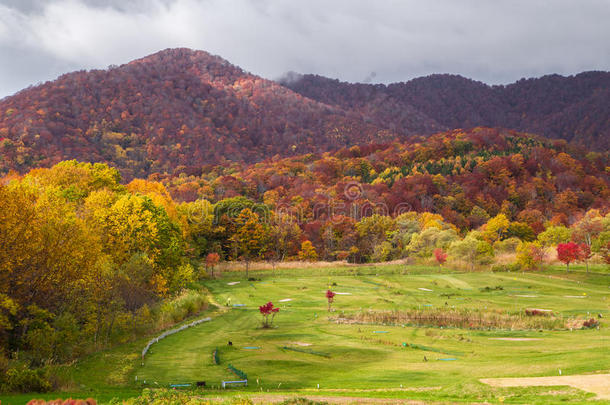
{"x": 343, "y": 293}
{"x": 424, "y": 289}
{"x": 299, "y": 344}
{"x": 286, "y": 300}
{"x": 596, "y": 383}
{"x": 575, "y": 296}
{"x": 515, "y": 339}
{"x": 233, "y": 283}
{"x": 526, "y": 296}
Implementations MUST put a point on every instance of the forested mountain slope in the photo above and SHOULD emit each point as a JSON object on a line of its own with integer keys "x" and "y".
{"x": 175, "y": 109}
{"x": 575, "y": 108}
{"x": 178, "y": 110}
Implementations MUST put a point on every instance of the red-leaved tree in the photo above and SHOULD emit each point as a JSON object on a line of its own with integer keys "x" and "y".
{"x": 330, "y": 296}
{"x": 268, "y": 312}
{"x": 568, "y": 253}
{"x": 440, "y": 256}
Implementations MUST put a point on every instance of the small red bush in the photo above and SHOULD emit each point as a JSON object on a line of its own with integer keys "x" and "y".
{"x": 267, "y": 311}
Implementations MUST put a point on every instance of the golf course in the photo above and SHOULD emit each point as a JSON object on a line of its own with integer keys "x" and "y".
{"x": 393, "y": 331}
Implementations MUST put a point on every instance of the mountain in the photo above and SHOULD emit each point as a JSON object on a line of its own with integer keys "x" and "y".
{"x": 575, "y": 108}
{"x": 178, "y": 110}
{"x": 174, "y": 110}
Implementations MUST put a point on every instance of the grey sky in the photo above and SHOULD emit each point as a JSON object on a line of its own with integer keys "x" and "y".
{"x": 495, "y": 41}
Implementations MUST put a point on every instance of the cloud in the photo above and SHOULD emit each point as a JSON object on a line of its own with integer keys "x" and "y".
{"x": 492, "y": 41}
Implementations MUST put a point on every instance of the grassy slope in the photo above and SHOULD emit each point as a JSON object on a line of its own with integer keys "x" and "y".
{"x": 363, "y": 360}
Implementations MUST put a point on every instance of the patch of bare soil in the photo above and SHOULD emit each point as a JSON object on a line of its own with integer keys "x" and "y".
{"x": 300, "y": 343}
{"x": 596, "y": 383}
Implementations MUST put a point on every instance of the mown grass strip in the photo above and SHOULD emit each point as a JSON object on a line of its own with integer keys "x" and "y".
{"x": 431, "y": 349}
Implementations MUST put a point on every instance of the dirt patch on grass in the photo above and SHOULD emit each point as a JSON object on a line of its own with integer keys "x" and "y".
{"x": 299, "y": 343}
{"x": 596, "y": 383}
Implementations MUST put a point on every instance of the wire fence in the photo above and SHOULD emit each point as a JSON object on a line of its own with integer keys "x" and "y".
{"x": 171, "y": 332}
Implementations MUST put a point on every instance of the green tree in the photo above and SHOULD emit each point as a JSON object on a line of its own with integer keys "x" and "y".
{"x": 554, "y": 235}
{"x": 522, "y": 231}
{"x": 424, "y": 243}
{"x": 472, "y": 249}
{"x": 372, "y": 231}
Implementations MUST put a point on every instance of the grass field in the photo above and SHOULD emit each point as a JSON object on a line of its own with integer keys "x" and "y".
{"x": 307, "y": 353}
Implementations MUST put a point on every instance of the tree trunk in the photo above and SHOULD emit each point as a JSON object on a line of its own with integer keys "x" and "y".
{"x": 98, "y": 326}
{"x": 247, "y": 267}
{"x": 110, "y": 326}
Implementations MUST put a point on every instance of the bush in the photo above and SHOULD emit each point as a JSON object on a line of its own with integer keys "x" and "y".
{"x": 507, "y": 245}
{"x": 590, "y": 324}
{"x": 170, "y": 397}
{"x": 500, "y": 268}
{"x": 70, "y": 401}
{"x": 23, "y": 379}
{"x": 188, "y": 303}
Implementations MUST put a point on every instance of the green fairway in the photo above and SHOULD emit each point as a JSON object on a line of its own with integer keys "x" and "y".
{"x": 445, "y": 361}
{"x": 309, "y": 353}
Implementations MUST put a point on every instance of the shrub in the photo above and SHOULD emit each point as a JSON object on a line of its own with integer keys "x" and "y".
{"x": 268, "y": 310}
{"x": 23, "y": 379}
{"x": 499, "y": 268}
{"x": 188, "y": 303}
{"x": 537, "y": 312}
{"x": 165, "y": 396}
{"x": 440, "y": 256}
{"x": 330, "y": 296}
{"x": 507, "y": 245}
{"x": 591, "y": 323}
{"x": 88, "y": 401}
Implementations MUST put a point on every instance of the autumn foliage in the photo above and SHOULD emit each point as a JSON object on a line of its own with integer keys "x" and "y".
{"x": 330, "y": 297}
{"x": 440, "y": 256}
{"x": 178, "y": 111}
{"x": 171, "y": 112}
{"x": 211, "y": 261}
{"x": 70, "y": 401}
{"x": 268, "y": 311}
{"x": 569, "y": 253}
{"x": 552, "y": 105}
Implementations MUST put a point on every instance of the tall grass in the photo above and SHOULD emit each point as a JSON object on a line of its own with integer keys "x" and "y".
{"x": 237, "y": 266}
{"x": 461, "y": 318}
{"x": 188, "y": 303}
